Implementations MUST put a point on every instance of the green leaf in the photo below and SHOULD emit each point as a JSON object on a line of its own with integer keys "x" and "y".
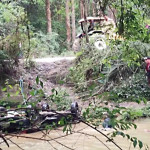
{"x": 8, "y": 107}
{"x": 61, "y": 82}
{"x": 4, "y": 89}
{"x": 41, "y": 83}
{"x": 102, "y": 75}
{"x": 62, "y": 121}
{"x": 128, "y": 136}
{"x": 37, "y": 80}
{"x": 144, "y": 100}
{"x": 35, "y": 92}
{"x": 48, "y": 127}
{"x": 17, "y": 93}
{"x": 8, "y": 95}
{"x": 138, "y": 101}
{"x": 135, "y": 126}
{"x": 10, "y": 86}
{"x": 65, "y": 127}
{"x": 140, "y": 144}
{"x": 53, "y": 90}
{"x": 19, "y": 106}
{"x": 32, "y": 93}
{"x": 79, "y": 53}
{"x": 134, "y": 143}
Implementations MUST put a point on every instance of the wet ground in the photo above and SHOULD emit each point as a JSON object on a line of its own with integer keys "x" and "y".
{"x": 82, "y": 138}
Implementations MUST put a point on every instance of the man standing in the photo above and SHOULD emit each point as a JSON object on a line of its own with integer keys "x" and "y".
{"x": 147, "y": 68}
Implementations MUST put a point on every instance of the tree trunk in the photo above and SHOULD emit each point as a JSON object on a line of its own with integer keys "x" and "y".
{"x": 48, "y": 16}
{"x": 93, "y": 9}
{"x": 84, "y": 2}
{"x": 81, "y": 9}
{"x": 85, "y": 8}
{"x": 121, "y": 23}
{"x": 88, "y": 5}
{"x": 73, "y": 22}
{"x": 68, "y": 26}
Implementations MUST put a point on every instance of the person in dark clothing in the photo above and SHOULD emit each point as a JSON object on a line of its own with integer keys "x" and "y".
{"x": 147, "y": 68}
{"x": 91, "y": 26}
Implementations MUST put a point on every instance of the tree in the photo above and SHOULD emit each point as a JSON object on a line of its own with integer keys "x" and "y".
{"x": 93, "y": 9}
{"x": 48, "y": 16}
{"x": 73, "y": 22}
{"x": 68, "y": 26}
{"x": 84, "y": 4}
{"x": 81, "y": 9}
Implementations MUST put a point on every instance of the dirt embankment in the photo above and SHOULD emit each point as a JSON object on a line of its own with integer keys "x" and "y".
{"x": 53, "y": 70}
{"x": 49, "y": 70}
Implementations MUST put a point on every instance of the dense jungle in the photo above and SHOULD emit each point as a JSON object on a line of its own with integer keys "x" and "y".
{"x": 74, "y": 74}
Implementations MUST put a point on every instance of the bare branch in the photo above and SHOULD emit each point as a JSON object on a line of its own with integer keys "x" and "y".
{"x": 109, "y": 139}
{"x": 1, "y": 136}
{"x": 95, "y": 138}
{"x": 16, "y": 144}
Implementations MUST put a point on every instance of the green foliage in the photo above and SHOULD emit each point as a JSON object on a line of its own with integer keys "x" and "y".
{"x": 133, "y": 89}
{"x": 7, "y": 104}
{"x": 132, "y": 114}
{"x": 11, "y": 16}
{"x": 67, "y": 125}
{"x": 43, "y": 45}
{"x": 96, "y": 115}
{"x": 119, "y": 61}
{"x": 36, "y": 15}
{"x": 60, "y": 28}
{"x": 131, "y": 19}
{"x": 134, "y": 140}
{"x": 146, "y": 111}
{"x": 87, "y": 67}
{"x": 13, "y": 34}
{"x": 59, "y": 99}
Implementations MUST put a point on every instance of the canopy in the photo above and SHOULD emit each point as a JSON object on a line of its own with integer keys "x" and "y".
{"x": 92, "y": 18}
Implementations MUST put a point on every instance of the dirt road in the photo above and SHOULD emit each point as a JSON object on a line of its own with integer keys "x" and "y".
{"x": 53, "y": 59}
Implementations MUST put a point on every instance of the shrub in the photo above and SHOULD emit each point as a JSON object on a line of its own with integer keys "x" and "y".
{"x": 42, "y": 44}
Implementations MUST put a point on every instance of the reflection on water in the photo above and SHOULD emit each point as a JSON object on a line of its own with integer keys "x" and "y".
{"x": 82, "y": 138}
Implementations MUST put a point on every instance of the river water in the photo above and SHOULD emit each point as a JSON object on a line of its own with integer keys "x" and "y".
{"x": 82, "y": 138}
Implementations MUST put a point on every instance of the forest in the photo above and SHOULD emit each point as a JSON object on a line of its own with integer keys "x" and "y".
{"x": 74, "y": 74}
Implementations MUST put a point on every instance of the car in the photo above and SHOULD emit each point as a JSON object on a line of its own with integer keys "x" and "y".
{"x": 99, "y": 30}
{"x": 24, "y": 119}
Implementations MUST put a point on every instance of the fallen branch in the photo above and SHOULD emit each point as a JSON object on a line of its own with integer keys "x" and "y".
{"x": 16, "y": 144}
{"x": 1, "y": 136}
{"x": 109, "y": 139}
{"x": 95, "y": 138}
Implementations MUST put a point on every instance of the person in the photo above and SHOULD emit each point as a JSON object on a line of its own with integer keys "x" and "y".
{"x": 147, "y": 68}
{"x": 107, "y": 123}
{"x": 91, "y": 26}
{"x": 148, "y": 28}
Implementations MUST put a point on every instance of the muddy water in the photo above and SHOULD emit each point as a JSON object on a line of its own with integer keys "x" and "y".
{"x": 82, "y": 138}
